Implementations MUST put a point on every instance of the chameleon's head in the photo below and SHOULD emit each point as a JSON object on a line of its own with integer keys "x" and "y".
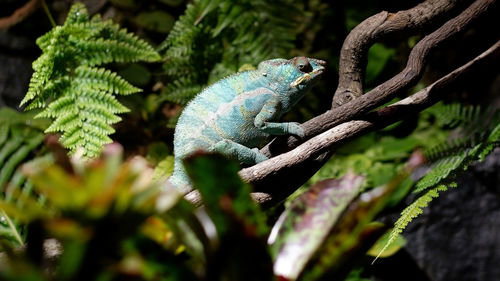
{"x": 298, "y": 73}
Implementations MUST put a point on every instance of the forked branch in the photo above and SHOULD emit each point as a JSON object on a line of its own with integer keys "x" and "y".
{"x": 384, "y": 24}
{"x": 279, "y": 176}
{"x": 401, "y": 82}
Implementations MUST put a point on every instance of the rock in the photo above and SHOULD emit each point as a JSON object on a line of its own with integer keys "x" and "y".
{"x": 16, "y": 55}
{"x": 458, "y": 236}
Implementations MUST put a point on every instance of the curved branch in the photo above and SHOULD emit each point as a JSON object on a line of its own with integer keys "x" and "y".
{"x": 273, "y": 170}
{"x": 19, "y": 14}
{"x": 389, "y": 89}
{"x": 355, "y": 48}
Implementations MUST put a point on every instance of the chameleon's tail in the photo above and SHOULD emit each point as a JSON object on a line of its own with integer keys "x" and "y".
{"x": 179, "y": 179}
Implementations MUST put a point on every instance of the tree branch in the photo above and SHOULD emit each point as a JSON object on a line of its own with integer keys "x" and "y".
{"x": 355, "y": 48}
{"x": 389, "y": 89}
{"x": 279, "y": 174}
{"x": 19, "y": 14}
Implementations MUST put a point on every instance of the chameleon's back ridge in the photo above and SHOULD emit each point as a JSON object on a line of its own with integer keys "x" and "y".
{"x": 239, "y": 113}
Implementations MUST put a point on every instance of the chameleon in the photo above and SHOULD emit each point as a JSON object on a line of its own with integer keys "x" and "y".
{"x": 239, "y": 113}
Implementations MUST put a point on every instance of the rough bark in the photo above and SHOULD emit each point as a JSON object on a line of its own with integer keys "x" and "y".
{"x": 384, "y": 24}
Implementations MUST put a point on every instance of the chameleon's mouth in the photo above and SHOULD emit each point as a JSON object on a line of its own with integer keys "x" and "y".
{"x": 307, "y": 76}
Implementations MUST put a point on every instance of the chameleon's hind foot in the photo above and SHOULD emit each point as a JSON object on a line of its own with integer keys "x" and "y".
{"x": 235, "y": 150}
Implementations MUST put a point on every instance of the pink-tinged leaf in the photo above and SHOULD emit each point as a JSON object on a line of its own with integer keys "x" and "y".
{"x": 353, "y": 234}
{"x": 305, "y": 225}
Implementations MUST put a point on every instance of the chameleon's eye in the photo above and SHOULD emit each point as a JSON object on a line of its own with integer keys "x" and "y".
{"x": 305, "y": 67}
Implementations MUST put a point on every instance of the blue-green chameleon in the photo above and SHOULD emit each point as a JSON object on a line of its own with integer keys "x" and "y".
{"x": 239, "y": 113}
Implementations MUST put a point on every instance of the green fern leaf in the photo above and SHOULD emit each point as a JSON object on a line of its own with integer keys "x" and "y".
{"x": 180, "y": 91}
{"x": 476, "y": 138}
{"x": 412, "y": 211}
{"x": 492, "y": 141}
{"x": 214, "y": 38}
{"x": 441, "y": 171}
{"x": 4, "y": 134}
{"x": 103, "y": 79}
{"x": 20, "y": 137}
{"x": 17, "y": 157}
{"x": 456, "y": 114}
{"x": 72, "y": 91}
{"x": 480, "y": 135}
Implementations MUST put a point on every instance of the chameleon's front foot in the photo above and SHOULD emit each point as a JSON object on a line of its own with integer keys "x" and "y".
{"x": 295, "y": 129}
{"x": 279, "y": 129}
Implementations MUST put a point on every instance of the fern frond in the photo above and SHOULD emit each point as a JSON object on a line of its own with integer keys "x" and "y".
{"x": 18, "y": 156}
{"x": 103, "y": 79}
{"x": 492, "y": 141}
{"x": 412, "y": 211}
{"x": 446, "y": 168}
{"x": 18, "y": 137}
{"x": 88, "y": 110}
{"x": 452, "y": 157}
{"x": 214, "y": 38}
{"x": 76, "y": 94}
{"x": 473, "y": 143}
{"x": 102, "y": 51}
{"x": 77, "y": 14}
{"x": 456, "y": 114}
{"x": 41, "y": 75}
{"x": 181, "y": 91}
{"x": 16, "y": 192}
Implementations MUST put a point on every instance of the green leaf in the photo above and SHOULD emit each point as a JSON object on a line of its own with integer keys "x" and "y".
{"x": 137, "y": 74}
{"x": 165, "y": 168}
{"x": 353, "y": 235}
{"x": 8, "y": 168}
{"x": 224, "y": 195}
{"x": 380, "y": 250}
{"x": 238, "y": 222}
{"x": 159, "y": 21}
{"x": 378, "y": 57}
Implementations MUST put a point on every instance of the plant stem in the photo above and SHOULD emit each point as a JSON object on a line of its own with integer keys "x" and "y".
{"x": 47, "y": 12}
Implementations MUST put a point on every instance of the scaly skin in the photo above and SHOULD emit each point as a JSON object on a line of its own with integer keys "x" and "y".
{"x": 239, "y": 113}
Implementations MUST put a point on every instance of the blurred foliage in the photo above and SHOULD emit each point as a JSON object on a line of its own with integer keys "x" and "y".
{"x": 20, "y": 135}
{"x": 21, "y": 138}
{"x": 379, "y": 248}
{"x": 102, "y": 215}
{"x": 302, "y": 229}
{"x": 108, "y": 220}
